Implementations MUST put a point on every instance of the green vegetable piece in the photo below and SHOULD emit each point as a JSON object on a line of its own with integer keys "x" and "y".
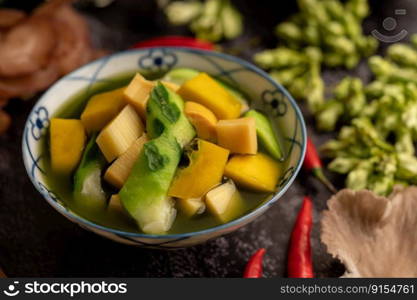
{"x": 335, "y": 9}
{"x": 387, "y": 71}
{"x": 342, "y": 90}
{"x": 327, "y": 117}
{"x": 315, "y": 89}
{"x": 352, "y": 61}
{"x": 333, "y": 148}
{"x": 343, "y": 165}
{"x": 315, "y": 56}
{"x": 88, "y": 190}
{"x": 299, "y": 87}
{"x": 334, "y": 29}
{"x": 375, "y": 89}
{"x": 359, "y": 8}
{"x": 232, "y": 22}
{"x": 403, "y": 55}
{"x": 207, "y": 26}
{"x": 407, "y": 167}
{"x": 352, "y": 27}
{"x": 144, "y": 194}
{"x": 369, "y": 135}
{"x": 315, "y": 10}
{"x": 180, "y": 75}
{"x": 183, "y": 12}
{"x": 381, "y": 184}
{"x": 340, "y": 44}
{"x": 286, "y": 76}
{"x": 266, "y": 133}
{"x": 290, "y": 32}
{"x": 357, "y": 100}
{"x": 280, "y": 58}
{"x": 165, "y": 112}
{"x": 312, "y": 34}
{"x": 358, "y": 177}
{"x": 367, "y": 45}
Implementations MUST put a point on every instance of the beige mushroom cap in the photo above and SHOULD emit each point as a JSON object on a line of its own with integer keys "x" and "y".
{"x": 373, "y": 236}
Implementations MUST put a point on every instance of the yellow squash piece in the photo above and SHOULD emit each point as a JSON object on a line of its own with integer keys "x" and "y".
{"x": 137, "y": 94}
{"x": 191, "y": 207}
{"x": 202, "y": 119}
{"x": 119, "y": 170}
{"x": 67, "y": 140}
{"x": 205, "y": 90}
{"x": 101, "y": 109}
{"x": 225, "y": 202}
{"x": 117, "y": 136}
{"x": 238, "y": 135}
{"x": 203, "y": 173}
{"x": 257, "y": 172}
{"x": 172, "y": 86}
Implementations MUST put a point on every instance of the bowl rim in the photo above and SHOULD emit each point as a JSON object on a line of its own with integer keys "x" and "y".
{"x": 80, "y": 220}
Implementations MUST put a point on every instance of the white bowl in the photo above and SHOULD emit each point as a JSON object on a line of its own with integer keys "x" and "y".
{"x": 264, "y": 92}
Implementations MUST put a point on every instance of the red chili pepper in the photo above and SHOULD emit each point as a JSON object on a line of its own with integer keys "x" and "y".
{"x": 254, "y": 266}
{"x": 312, "y": 163}
{"x": 300, "y": 264}
{"x": 175, "y": 41}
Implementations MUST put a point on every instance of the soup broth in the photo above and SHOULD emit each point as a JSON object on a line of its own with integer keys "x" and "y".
{"x": 62, "y": 186}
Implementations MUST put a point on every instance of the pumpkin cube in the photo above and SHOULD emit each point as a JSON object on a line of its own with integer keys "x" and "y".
{"x": 256, "y": 172}
{"x": 67, "y": 140}
{"x": 202, "y": 119}
{"x": 203, "y": 173}
{"x": 205, "y": 90}
{"x": 238, "y": 135}
{"x": 137, "y": 94}
{"x": 101, "y": 109}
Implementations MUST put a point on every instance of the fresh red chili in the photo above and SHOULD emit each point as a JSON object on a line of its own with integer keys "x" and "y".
{"x": 312, "y": 163}
{"x": 300, "y": 264}
{"x": 254, "y": 266}
{"x": 175, "y": 41}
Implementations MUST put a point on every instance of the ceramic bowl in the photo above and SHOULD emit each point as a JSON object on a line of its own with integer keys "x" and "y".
{"x": 264, "y": 92}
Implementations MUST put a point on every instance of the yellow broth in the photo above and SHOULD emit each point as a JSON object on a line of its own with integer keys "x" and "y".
{"x": 62, "y": 186}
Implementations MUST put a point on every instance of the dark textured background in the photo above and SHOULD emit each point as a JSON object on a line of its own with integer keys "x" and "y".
{"x": 36, "y": 241}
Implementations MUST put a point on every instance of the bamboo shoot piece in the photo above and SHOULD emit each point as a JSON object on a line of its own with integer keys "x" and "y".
{"x": 225, "y": 202}
{"x": 191, "y": 207}
{"x": 117, "y": 136}
{"x": 119, "y": 170}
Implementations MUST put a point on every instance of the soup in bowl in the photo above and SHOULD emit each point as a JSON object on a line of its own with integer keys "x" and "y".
{"x": 164, "y": 147}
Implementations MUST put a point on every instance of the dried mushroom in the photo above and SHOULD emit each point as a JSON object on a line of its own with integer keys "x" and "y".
{"x": 373, "y": 236}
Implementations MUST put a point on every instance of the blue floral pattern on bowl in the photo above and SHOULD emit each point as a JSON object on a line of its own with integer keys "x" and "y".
{"x": 39, "y": 122}
{"x": 263, "y": 91}
{"x": 276, "y": 102}
{"x": 157, "y": 60}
